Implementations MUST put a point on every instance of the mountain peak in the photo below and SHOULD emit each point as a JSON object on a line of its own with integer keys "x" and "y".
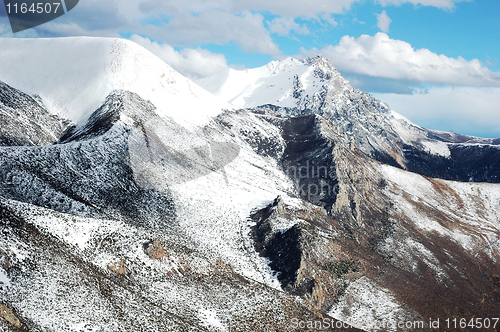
{"x": 319, "y": 61}
{"x": 275, "y": 83}
{"x": 78, "y": 73}
{"x": 290, "y": 63}
{"x": 282, "y": 65}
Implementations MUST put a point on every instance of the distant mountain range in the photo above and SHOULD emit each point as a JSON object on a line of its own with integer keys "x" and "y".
{"x": 133, "y": 199}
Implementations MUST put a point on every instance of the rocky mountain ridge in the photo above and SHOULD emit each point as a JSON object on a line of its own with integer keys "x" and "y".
{"x": 314, "y": 86}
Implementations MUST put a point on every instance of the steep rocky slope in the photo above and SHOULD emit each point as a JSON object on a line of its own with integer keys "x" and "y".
{"x": 85, "y": 226}
{"x": 384, "y": 242}
{"x": 79, "y": 218}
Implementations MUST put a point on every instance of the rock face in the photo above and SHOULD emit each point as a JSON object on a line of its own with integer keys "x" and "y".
{"x": 308, "y": 159}
{"x": 283, "y": 249}
{"x": 258, "y": 219}
{"x": 155, "y": 249}
{"x": 9, "y": 316}
{"x": 118, "y": 268}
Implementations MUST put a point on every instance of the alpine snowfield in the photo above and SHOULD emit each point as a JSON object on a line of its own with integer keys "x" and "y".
{"x": 74, "y": 75}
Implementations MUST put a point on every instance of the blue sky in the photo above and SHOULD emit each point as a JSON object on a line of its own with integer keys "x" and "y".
{"x": 470, "y": 30}
{"x": 435, "y": 61}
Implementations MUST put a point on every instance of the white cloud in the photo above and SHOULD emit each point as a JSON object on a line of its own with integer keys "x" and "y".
{"x": 465, "y": 110}
{"x": 197, "y": 22}
{"x": 282, "y": 26}
{"x": 380, "y": 56}
{"x": 294, "y": 8}
{"x": 218, "y": 27}
{"x": 179, "y": 23}
{"x": 444, "y": 4}
{"x": 383, "y": 21}
{"x": 193, "y": 63}
{"x": 221, "y": 21}
{"x": 89, "y": 18}
{"x": 329, "y": 19}
{"x": 285, "y": 8}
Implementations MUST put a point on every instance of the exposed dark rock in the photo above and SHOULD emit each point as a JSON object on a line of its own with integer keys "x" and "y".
{"x": 467, "y": 163}
{"x": 24, "y": 121}
{"x": 476, "y": 163}
{"x": 307, "y": 160}
{"x": 282, "y": 248}
{"x": 284, "y": 252}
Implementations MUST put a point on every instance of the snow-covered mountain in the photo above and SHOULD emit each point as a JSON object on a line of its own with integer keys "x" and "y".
{"x": 164, "y": 208}
{"x": 286, "y": 83}
{"x": 73, "y": 76}
{"x": 313, "y": 85}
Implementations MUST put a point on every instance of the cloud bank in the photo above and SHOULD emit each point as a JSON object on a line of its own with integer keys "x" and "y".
{"x": 381, "y": 56}
{"x": 465, "y": 110}
{"x": 444, "y": 4}
{"x": 198, "y": 22}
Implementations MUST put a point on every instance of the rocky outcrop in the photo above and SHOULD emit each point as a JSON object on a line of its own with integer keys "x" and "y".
{"x": 307, "y": 159}
{"x": 119, "y": 268}
{"x": 25, "y": 121}
{"x": 281, "y": 246}
{"x": 289, "y": 237}
{"x": 7, "y": 314}
{"x": 154, "y": 249}
{"x": 467, "y": 162}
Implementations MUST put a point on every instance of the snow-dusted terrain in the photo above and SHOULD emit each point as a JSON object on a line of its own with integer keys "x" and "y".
{"x": 166, "y": 208}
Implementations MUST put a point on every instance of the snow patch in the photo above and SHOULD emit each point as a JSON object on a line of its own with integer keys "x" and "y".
{"x": 437, "y": 148}
{"x": 269, "y": 84}
{"x": 473, "y": 204}
{"x": 210, "y": 320}
{"x": 4, "y": 279}
{"x": 428, "y": 258}
{"x": 74, "y": 230}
